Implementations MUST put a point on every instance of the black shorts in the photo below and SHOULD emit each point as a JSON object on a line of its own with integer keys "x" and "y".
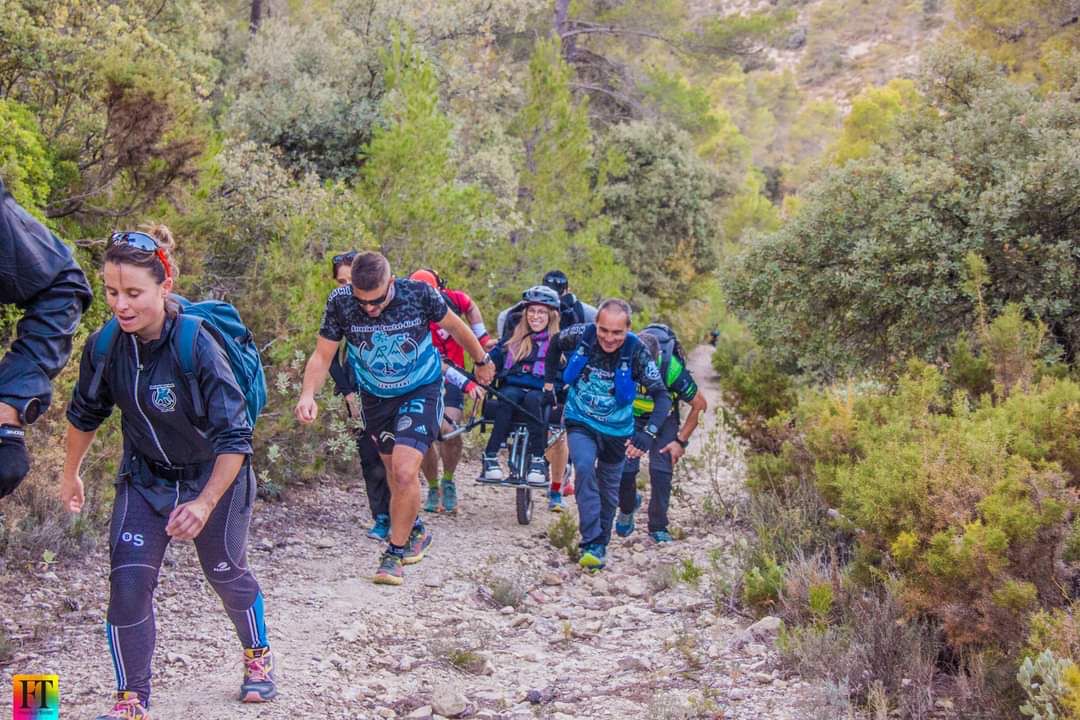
{"x": 453, "y": 397}
{"x": 411, "y": 420}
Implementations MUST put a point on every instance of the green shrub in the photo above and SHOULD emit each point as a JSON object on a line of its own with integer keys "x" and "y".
{"x": 963, "y": 508}
{"x": 563, "y": 534}
{"x": 1043, "y": 682}
{"x": 755, "y": 389}
{"x": 762, "y": 584}
{"x": 1057, "y": 630}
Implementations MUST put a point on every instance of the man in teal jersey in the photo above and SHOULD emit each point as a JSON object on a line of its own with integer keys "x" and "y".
{"x": 399, "y": 373}
{"x": 670, "y": 445}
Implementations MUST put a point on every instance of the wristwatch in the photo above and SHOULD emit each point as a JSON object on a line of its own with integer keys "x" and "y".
{"x": 682, "y": 442}
{"x": 29, "y": 411}
{"x": 484, "y": 360}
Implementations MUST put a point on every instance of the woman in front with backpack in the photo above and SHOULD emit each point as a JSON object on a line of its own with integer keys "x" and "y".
{"x": 184, "y": 475}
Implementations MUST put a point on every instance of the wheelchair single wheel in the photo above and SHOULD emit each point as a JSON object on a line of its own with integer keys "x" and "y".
{"x": 524, "y": 505}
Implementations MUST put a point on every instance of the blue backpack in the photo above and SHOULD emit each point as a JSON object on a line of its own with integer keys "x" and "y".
{"x": 625, "y": 387}
{"x": 225, "y": 326}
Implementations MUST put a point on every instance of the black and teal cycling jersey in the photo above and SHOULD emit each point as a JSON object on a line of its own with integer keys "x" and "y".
{"x": 392, "y": 354}
{"x": 591, "y": 400}
{"x": 680, "y": 384}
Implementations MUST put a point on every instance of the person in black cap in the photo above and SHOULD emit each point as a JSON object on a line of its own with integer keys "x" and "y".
{"x": 572, "y": 310}
{"x": 39, "y": 275}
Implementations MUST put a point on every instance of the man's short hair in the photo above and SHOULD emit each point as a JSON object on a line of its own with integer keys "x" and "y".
{"x": 369, "y": 271}
{"x": 618, "y": 305}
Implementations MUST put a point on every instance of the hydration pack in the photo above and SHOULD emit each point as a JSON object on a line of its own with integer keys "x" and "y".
{"x": 669, "y": 346}
{"x": 224, "y": 324}
{"x": 625, "y": 387}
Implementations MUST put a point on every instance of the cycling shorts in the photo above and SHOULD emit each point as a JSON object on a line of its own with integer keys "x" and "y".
{"x": 411, "y": 419}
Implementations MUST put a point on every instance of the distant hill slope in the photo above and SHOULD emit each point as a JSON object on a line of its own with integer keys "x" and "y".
{"x": 837, "y": 47}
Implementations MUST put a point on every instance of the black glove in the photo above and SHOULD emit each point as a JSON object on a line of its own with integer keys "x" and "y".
{"x": 643, "y": 440}
{"x": 14, "y": 459}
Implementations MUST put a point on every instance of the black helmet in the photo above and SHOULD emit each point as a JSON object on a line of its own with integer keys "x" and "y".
{"x": 541, "y": 295}
{"x": 557, "y": 281}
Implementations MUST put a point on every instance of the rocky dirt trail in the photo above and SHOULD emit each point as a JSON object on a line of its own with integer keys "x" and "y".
{"x": 631, "y": 642}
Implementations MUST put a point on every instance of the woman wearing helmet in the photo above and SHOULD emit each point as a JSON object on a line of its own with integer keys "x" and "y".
{"x": 520, "y": 365}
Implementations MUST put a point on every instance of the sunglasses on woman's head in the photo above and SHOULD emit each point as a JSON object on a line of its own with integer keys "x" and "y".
{"x": 138, "y": 240}
{"x": 141, "y": 241}
{"x": 344, "y": 257}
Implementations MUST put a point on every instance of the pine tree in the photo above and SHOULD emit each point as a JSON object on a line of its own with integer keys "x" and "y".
{"x": 559, "y": 193}
{"x": 419, "y": 213}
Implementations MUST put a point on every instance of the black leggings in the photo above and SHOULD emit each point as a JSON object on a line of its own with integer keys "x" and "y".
{"x": 138, "y": 541}
{"x": 371, "y": 465}
{"x": 505, "y": 414}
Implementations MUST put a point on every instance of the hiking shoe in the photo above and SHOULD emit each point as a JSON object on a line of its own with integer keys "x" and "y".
{"x": 492, "y": 472}
{"x": 449, "y": 496}
{"x": 661, "y": 536}
{"x": 381, "y": 529}
{"x": 432, "y": 504}
{"x": 390, "y": 570}
{"x": 567, "y": 490}
{"x": 537, "y": 476}
{"x": 593, "y": 557}
{"x": 419, "y": 540}
{"x": 624, "y": 522}
{"x": 555, "y": 502}
{"x": 127, "y": 707}
{"x": 259, "y": 685}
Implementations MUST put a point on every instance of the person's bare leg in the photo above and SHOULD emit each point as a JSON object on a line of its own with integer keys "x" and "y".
{"x": 430, "y": 466}
{"x": 404, "y": 466}
{"x": 558, "y": 455}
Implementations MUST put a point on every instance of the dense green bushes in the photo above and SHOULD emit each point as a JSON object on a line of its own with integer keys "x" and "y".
{"x": 960, "y": 506}
{"x": 870, "y": 271}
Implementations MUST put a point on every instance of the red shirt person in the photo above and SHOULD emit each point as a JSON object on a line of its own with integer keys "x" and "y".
{"x": 442, "y": 491}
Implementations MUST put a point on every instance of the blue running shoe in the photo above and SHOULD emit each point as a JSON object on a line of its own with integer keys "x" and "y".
{"x": 555, "y": 501}
{"x": 593, "y": 557}
{"x": 624, "y": 522}
{"x": 432, "y": 504}
{"x": 449, "y": 496}
{"x": 661, "y": 536}
{"x": 381, "y": 529}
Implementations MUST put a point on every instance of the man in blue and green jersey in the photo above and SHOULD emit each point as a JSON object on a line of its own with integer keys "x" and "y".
{"x": 670, "y": 445}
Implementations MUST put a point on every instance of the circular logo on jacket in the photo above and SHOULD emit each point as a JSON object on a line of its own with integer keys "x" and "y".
{"x": 163, "y": 398}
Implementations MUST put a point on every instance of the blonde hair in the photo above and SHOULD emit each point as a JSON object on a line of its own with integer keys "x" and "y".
{"x": 520, "y": 342}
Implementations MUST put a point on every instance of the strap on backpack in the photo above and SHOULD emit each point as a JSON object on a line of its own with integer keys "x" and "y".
{"x": 451, "y": 303}
{"x": 102, "y": 352}
{"x": 186, "y": 335}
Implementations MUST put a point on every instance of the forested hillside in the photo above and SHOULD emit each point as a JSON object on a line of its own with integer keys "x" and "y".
{"x": 876, "y": 201}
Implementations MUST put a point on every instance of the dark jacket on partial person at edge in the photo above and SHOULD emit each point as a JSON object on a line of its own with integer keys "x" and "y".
{"x": 39, "y": 275}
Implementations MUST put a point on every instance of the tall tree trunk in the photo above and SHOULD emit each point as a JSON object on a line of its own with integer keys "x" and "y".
{"x": 562, "y": 25}
{"x": 256, "y": 15}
